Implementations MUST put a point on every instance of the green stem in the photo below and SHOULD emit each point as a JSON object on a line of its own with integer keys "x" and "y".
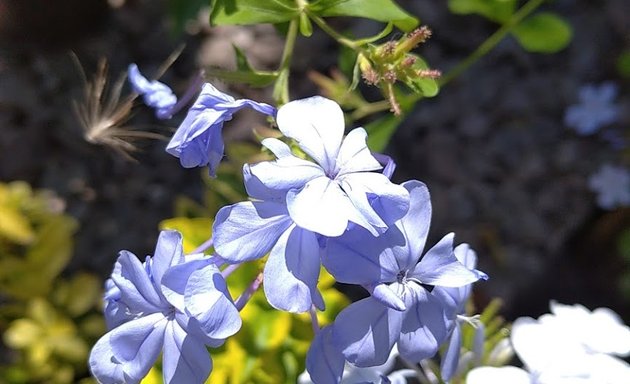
{"x": 492, "y": 41}
{"x": 334, "y": 34}
{"x": 370, "y": 109}
{"x": 281, "y": 88}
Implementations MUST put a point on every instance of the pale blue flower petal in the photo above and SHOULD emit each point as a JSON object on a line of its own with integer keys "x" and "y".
{"x": 292, "y": 270}
{"x": 198, "y": 140}
{"x": 259, "y": 191}
{"x": 168, "y": 252}
{"x": 361, "y": 186}
{"x": 448, "y": 366}
{"x": 104, "y": 366}
{"x": 321, "y": 206}
{"x": 286, "y": 172}
{"x": 415, "y": 224}
{"x": 208, "y": 300}
{"x": 354, "y": 154}
{"x": 136, "y": 289}
{"x": 185, "y": 359}
{"x": 387, "y": 295}
{"x": 324, "y": 362}
{"x": 138, "y": 343}
{"x": 155, "y": 94}
{"x": 424, "y": 327}
{"x": 366, "y": 331}
{"x": 440, "y": 267}
{"x": 317, "y": 124}
{"x": 176, "y": 278}
{"x": 248, "y": 230}
{"x": 376, "y": 256}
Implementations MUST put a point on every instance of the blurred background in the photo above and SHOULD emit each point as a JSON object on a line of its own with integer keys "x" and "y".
{"x": 506, "y": 172}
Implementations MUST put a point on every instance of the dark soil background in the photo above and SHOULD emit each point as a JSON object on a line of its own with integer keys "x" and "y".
{"x": 505, "y": 174}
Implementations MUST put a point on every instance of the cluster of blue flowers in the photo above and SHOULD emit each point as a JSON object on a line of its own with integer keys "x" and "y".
{"x": 330, "y": 203}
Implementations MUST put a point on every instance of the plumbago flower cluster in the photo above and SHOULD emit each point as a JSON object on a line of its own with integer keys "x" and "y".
{"x": 330, "y": 203}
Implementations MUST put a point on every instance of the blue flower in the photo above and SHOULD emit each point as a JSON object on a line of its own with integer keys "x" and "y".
{"x": 339, "y": 187}
{"x": 249, "y": 230}
{"x": 450, "y": 359}
{"x": 595, "y": 110}
{"x": 167, "y": 304}
{"x": 408, "y": 303}
{"x": 155, "y": 94}
{"x": 612, "y": 185}
{"x": 198, "y": 141}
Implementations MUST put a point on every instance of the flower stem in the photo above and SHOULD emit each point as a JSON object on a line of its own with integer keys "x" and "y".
{"x": 229, "y": 269}
{"x": 281, "y": 88}
{"x": 314, "y": 320}
{"x": 334, "y": 34}
{"x": 205, "y": 245}
{"x": 249, "y": 292}
{"x": 492, "y": 41}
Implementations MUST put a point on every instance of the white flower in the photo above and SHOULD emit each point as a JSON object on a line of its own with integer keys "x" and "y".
{"x": 596, "y": 109}
{"x": 570, "y": 346}
{"x": 612, "y": 186}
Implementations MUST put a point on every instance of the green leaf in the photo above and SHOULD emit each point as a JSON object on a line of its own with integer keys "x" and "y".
{"x": 306, "y": 28}
{"x": 253, "y": 78}
{"x": 380, "y": 131}
{"x": 244, "y": 72}
{"x": 544, "y": 32}
{"x": 244, "y": 12}
{"x": 499, "y": 11}
{"x": 380, "y": 10}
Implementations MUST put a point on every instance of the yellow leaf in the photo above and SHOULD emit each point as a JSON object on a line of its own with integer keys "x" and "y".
{"x": 194, "y": 230}
{"x": 22, "y": 333}
{"x": 14, "y": 226}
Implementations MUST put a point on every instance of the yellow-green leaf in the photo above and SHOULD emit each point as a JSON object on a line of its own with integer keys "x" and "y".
{"x": 543, "y": 32}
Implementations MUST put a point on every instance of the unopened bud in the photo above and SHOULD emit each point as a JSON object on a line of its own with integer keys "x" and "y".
{"x": 412, "y": 40}
{"x": 408, "y": 61}
{"x": 390, "y": 76}
{"x": 371, "y": 76}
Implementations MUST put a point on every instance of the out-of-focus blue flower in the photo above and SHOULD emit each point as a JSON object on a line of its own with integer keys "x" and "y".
{"x": 248, "y": 230}
{"x": 339, "y": 187}
{"x": 450, "y": 359}
{"x": 408, "y": 303}
{"x": 167, "y": 304}
{"x": 198, "y": 141}
{"x": 612, "y": 186}
{"x": 155, "y": 94}
{"x": 595, "y": 110}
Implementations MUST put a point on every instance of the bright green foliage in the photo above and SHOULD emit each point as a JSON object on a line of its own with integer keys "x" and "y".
{"x": 48, "y": 322}
{"x": 380, "y": 10}
{"x": 243, "y": 12}
{"x": 499, "y": 11}
{"x": 543, "y": 32}
{"x": 271, "y": 346}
